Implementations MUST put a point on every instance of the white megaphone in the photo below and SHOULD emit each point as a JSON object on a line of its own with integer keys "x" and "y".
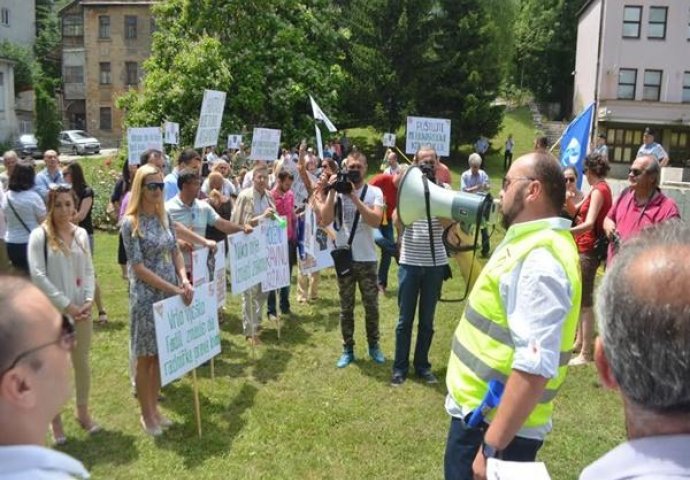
{"x": 470, "y": 210}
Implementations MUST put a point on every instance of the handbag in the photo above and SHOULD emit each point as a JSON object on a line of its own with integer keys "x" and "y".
{"x": 342, "y": 256}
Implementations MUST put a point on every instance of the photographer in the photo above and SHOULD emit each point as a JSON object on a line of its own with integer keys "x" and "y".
{"x": 360, "y": 212}
{"x": 423, "y": 263}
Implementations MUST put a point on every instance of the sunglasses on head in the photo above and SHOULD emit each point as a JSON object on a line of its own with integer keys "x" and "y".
{"x": 65, "y": 341}
{"x": 60, "y": 187}
{"x": 153, "y": 186}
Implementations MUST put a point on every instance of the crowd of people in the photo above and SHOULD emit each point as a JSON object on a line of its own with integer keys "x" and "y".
{"x": 531, "y": 307}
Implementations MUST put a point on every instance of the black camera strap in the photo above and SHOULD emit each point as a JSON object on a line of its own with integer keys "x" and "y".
{"x": 427, "y": 203}
{"x": 339, "y": 211}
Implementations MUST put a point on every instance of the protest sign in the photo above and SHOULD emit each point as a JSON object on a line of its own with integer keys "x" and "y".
{"x": 141, "y": 139}
{"x": 186, "y": 336}
{"x": 317, "y": 245}
{"x": 248, "y": 260}
{"x": 200, "y": 266}
{"x": 219, "y": 276}
{"x": 423, "y": 131}
{"x": 389, "y": 139}
{"x": 210, "y": 119}
{"x": 265, "y": 144}
{"x": 172, "y": 133}
{"x": 234, "y": 141}
{"x": 278, "y": 273}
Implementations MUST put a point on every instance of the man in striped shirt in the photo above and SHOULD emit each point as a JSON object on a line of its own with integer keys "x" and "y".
{"x": 423, "y": 263}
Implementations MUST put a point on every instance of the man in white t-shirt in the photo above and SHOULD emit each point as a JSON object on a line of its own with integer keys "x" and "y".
{"x": 370, "y": 209}
{"x": 35, "y": 372}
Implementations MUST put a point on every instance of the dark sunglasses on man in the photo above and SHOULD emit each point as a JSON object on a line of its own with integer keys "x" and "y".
{"x": 66, "y": 341}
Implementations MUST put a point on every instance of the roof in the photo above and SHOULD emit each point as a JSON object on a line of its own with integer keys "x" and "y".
{"x": 585, "y": 7}
{"x": 97, "y": 3}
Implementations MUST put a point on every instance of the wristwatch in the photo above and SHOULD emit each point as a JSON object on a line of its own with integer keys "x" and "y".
{"x": 490, "y": 452}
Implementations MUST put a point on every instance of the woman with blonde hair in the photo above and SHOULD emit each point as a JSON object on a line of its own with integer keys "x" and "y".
{"x": 60, "y": 265}
{"x": 156, "y": 272}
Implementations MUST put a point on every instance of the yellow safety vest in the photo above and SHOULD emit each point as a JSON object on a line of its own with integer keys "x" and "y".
{"x": 482, "y": 345}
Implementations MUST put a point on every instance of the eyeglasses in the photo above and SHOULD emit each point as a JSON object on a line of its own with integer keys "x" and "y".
{"x": 636, "y": 172}
{"x": 507, "y": 181}
{"x": 569, "y": 179}
{"x": 66, "y": 341}
{"x": 60, "y": 187}
{"x": 153, "y": 186}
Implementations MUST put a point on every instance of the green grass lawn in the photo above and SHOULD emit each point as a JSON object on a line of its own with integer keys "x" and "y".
{"x": 289, "y": 413}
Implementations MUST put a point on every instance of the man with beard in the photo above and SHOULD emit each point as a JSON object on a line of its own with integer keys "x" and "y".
{"x": 517, "y": 328}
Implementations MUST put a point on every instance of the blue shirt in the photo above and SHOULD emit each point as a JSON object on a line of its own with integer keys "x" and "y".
{"x": 654, "y": 149}
{"x": 170, "y": 189}
{"x": 43, "y": 181}
{"x": 468, "y": 180}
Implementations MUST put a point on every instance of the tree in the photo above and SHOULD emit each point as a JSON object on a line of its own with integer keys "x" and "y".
{"x": 46, "y": 49}
{"x": 464, "y": 71}
{"x": 385, "y": 46}
{"x": 25, "y": 68}
{"x": 268, "y": 55}
{"x": 48, "y": 120}
{"x": 546, "y": 40}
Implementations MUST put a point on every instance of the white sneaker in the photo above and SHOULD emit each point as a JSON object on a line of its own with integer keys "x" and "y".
{"x": 579, "y": 360}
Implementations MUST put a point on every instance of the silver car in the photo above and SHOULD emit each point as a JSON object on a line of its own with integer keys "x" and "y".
{"x": 78, "y": 142}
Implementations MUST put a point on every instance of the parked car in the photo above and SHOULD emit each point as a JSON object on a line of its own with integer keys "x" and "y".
{"x": 78, "y": 142}
{"x": 27, "y": 146}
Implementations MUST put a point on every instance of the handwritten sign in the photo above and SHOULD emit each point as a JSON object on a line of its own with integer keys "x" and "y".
{"x": 388, "y": 139}
{"x": 210, "y": 119}
{"x": 248, "y": 262}
{"x": 278, "y": 273}
{"x": 200, "y": 266}
{"x": 141, "y": 139}
{"x": 187, "y": 336}
{"x": 234, "y": 141}
{"x": 423, "y": 131}
{"x": 265, "y": 144}
{"x": 172, "y": 133}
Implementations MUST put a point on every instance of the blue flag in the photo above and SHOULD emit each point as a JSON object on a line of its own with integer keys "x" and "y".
{"x": 575, "y": 142}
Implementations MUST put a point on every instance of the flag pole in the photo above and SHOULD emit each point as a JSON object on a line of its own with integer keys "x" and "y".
{"x": 403, "y": 155}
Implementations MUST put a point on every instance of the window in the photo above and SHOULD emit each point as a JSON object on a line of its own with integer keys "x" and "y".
{"x": 627, "y": 79}
{"x": 104, "y": 73}
{"x": 623, "y": 143}
{"x": 130, "y": 26}
{"x": 106, "y": 118}
{"x": 104, "y": 26}
{"x": 652, "y": 85}
{"x": 72, "y": 26}
{"x": 686, "y": 87}
{"x": 2, "y": 92}
{"x": 132, "y": 73}
{"x": 5, "y": 16}
{"x": 632, "y": 19}
{"x": 74, "y": 74}
{"x": 657, "y": 23}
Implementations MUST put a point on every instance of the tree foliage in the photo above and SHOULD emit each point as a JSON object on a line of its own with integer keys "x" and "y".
{"x": 48, "y": 119}
{"x": 25, "y": 68}
{"x": 268, "y": 55}
{"x": 426, "y": 57}
{"x": 46, "y": 47}
{"x": 546, "y": 40}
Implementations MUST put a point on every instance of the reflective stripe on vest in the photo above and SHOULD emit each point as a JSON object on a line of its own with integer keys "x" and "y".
{"x": 483, "y": 346}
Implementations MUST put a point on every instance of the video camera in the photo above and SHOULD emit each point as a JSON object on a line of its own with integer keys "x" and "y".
{"x": 343, "y": 182}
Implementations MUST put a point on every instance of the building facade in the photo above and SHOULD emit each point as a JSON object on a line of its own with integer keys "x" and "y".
{"x": 104, "y": 45}
{"x": 633, "y": 61}
{"x": 17, "y": 26}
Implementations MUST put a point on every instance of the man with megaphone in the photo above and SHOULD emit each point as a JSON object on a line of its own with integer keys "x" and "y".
{"x": 423, "y": 262}
{"x": 517, "y": 329}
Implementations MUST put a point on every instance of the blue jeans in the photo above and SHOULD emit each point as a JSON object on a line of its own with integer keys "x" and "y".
{"x": 383, "y": 236}
{"x": 463, "y": 444}
{"x": 423, "y": 283}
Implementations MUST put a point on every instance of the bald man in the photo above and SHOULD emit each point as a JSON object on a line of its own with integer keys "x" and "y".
{"x": 643, "y": 352}
{"x": 35, "y": 372}
{"x": 517, "y": 328}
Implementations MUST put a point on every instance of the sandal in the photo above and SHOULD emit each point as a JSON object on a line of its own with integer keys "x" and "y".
{"x": 92, "y": 429}
{"x": 102, "y": 317}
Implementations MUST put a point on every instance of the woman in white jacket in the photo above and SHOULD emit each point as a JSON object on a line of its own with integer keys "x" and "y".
{"x": 60, "y": 265}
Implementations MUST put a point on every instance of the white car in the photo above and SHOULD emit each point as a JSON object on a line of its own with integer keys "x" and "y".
{"x": 78, "y": 142}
